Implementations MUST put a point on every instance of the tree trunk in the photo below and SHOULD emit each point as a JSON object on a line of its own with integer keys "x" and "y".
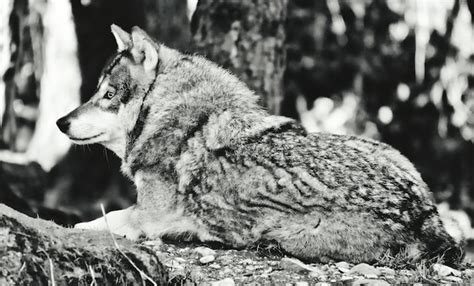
{"x": 167, "y": 21}
{"x": 60, "y": 79}
{"x": 63, "y": 66}
{"x": 5, "y": 51}
{"x": 12, "y": 49}
{"x": 39, "y": 252}
{"x": 41, "y": 80}
{"x": 248, "y": 38}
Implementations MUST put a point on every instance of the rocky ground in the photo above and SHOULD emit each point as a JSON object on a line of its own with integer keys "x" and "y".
{"x": 220, "y": 266}
{"x": 43, "y": 253}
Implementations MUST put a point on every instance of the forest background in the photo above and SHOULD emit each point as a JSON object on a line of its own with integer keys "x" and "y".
{"x": 399, "y": 71}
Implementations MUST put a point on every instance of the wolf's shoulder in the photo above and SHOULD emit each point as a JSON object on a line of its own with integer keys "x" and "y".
{"x": 284, "y": 141}
{"x": 338, "y": 161}
{"x": 296, "y": 170}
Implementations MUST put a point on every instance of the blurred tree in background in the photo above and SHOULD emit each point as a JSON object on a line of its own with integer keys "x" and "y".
{"x": 79, "y": 180}
{"x": 247, "y": 37}
{"x": 401, "y": 71}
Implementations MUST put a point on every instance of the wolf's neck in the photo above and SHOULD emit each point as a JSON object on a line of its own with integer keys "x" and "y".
{"x": 156, "y": 142}
{"x": 160, "y": 146}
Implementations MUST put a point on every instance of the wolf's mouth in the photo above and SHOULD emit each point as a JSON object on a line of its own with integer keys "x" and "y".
{"x": 86, "y": 138}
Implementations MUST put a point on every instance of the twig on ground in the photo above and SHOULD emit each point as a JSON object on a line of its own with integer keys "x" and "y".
{"x": 21, "y": 268}
{"x": 51, "y": 268}
{"x": 142, "y": 274}
{"x": 93, "y": 282}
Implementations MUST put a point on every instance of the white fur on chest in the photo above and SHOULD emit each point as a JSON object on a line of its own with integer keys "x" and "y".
{"x": 160, "y": 213}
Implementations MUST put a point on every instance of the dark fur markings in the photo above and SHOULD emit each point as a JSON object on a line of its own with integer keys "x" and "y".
{"x": 143, "y": 114}
{"x": 112, "y": 62}
{"x": 137, "y": 130}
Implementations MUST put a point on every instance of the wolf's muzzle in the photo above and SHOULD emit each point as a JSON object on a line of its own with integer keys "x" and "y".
{"x": 63, "y": 124}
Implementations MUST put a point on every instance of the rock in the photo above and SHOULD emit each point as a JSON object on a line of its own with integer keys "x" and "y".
{"x": 370, "y": 282}
{"x": 207, "y": 259}
{"x": 323, "y": 278}
{"x": 224, "y": 282}
{"x": 247, "y": 261}
{"x": 365, "y": 269}
{"x": 343, "y": 266}
{"x": 174, "y": 264}
{"x": 195, "y": 274}
{"x": 226, "y": 260}
{"x": 228, "y": 271}
{"x": 215, "y": 266}
{"x": 469, "y": 272}
{"x": 153, "y": 243}
{"x": 371, "y": 276}
{"x": 250, "y": 267}
{"x": 180, "y": 259}
{"x": 204, "y": 251}
{"x": 405, "y": 272}
{"x": 40, "y": 244}
{"x": 273, "y": 263}
{"x": 268, "y": 270}
{"x": 346, "y": 278}
{"x": 386, "y": 271}
{"x": 443, "y": 270}
{"x": 294, "y": 264}
{"x": 453, "y": 279}
{"x": 317, "y": 273}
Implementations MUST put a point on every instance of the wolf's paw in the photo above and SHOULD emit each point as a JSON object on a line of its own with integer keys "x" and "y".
{"x": 127, "y": 232}
{"x": 117, "y": 222}
{"x": 123, "y": 230}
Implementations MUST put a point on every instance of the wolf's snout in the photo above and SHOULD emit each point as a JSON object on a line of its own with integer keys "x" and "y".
{"x": 63, "y": 124}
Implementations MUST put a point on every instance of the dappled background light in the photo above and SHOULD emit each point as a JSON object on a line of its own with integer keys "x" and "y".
{"x": 399, "y": 71}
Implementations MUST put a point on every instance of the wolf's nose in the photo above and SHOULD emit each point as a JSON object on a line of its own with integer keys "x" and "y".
{"x": 63, "y": 124}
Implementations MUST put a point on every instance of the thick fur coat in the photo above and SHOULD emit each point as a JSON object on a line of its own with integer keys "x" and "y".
{"x": 207, "y": 161}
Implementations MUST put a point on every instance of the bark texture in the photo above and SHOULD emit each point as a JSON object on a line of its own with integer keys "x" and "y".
{"x": 167, "y": 21}
{"x": 246, "y": 37}
{"x": 13, "y": 48}
{"x": 39, "y": 252}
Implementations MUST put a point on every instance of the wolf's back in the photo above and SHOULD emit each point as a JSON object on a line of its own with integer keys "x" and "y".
{"x": 285, "y": 170}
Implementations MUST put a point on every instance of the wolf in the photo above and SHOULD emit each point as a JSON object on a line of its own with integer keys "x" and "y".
{"x": 210, "y": 163}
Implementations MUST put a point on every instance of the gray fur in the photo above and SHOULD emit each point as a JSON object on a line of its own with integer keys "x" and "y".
{"x": 208, "y": 161}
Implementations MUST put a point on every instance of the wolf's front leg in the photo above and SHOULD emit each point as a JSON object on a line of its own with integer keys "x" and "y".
{"x": 119, "y": 222}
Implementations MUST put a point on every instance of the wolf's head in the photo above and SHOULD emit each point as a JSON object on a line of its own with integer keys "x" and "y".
{"x": 130, "y": 73}
{"x": 148, "y": 82}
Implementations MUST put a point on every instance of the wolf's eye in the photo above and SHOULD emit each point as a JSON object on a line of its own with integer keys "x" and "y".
{"x": 109, "y": 94}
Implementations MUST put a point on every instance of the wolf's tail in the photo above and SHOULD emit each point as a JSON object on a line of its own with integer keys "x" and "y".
{"x": 440, "y": 244}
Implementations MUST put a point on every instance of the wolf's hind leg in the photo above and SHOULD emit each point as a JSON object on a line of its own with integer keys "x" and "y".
{"x": 119, "y": 223}
{"x": 336, "y": 237}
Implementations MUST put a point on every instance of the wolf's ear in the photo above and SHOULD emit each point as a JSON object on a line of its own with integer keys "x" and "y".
{"x": 144, "y": 51}
{"x": 121, "y": 37}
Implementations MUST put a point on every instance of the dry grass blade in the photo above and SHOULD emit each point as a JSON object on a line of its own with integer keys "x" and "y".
{"x": 22, "y": 268}
{"x": 142, "y": 274}
{"x": 51, "y": 268}
{"x": 93, "y": 282}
